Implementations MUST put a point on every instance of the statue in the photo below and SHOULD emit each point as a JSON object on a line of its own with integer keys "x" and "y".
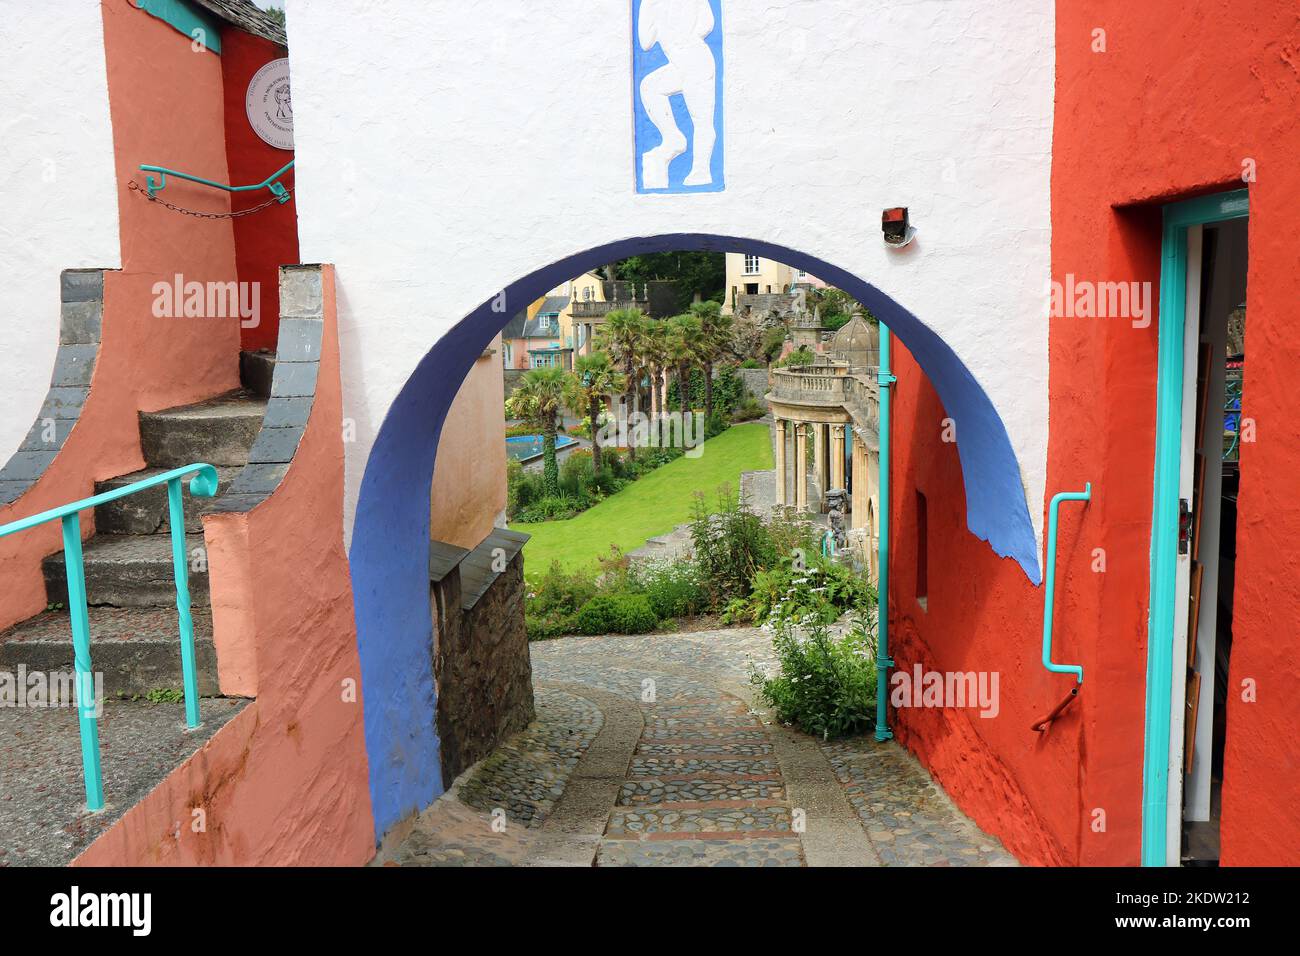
{"x": 837, "y": 500}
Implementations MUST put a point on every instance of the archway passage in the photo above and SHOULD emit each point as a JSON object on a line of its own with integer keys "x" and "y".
{"x": 390, "y": 539}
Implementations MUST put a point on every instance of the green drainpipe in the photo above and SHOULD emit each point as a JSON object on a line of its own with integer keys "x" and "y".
{"x": 885, "y": 379}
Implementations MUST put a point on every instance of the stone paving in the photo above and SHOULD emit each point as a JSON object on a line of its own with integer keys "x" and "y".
{"x": 707, "y": 778}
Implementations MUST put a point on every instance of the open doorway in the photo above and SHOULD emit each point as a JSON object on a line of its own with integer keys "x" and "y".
{"x": 1218, "y": 420}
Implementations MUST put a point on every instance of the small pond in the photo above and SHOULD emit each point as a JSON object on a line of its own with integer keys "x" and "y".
{"x": 528, "y": 447}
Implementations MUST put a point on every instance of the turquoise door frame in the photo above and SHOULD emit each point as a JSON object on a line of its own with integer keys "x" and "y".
{"x": 1178, "y": 218}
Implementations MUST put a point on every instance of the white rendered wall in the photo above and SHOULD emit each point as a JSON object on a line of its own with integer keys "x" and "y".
{"x": 60, "y": 197}
{"x": 445, "y": 149}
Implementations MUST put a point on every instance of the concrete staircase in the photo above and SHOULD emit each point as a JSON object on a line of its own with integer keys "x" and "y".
{"x": 134, "y": 642}
{"x": 129, "y": 582}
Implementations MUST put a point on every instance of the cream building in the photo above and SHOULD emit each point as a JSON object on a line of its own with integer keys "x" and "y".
{"x": 753, "y": 275}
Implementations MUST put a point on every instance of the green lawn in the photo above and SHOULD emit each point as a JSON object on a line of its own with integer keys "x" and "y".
{"x": 650, "y": 506}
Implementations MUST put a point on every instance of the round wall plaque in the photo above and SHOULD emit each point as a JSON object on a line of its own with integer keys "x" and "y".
{"x": 269, "y": 107}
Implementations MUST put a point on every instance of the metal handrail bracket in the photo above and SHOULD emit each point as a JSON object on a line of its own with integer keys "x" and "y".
{"x": 1049, "y": 597}
{"x": 155, "y": 186}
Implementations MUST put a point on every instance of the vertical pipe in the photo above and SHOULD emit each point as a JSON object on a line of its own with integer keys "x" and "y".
{"x": 180, "y": 570}
{"x": 885, "y": 379}
{"x": 87, "y": 703}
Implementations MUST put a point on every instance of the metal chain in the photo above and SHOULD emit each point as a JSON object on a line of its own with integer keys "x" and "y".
{"x": 273, "y": 201}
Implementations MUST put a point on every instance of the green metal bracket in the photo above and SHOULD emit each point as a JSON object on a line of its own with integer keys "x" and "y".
{"x": 202, "y": 485}
{"x": 155, "y": 186}
{"x": 1049, "y": 597}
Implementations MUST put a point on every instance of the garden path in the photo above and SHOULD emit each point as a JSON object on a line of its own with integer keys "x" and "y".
{"x": 650, "y": 751}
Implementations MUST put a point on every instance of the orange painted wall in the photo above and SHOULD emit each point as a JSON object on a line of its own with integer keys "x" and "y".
{"x": 1183, "y": 94}
{"x": 166, "y": 106}
{"x": 285, "y": 782}
{"x": 469, "y": 479}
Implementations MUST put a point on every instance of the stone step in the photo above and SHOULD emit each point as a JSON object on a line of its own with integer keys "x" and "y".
{"x": 256, "y": 369}
{"x": 219, "y": 431}
{"x": 129, "y": 570}
{"x": 145, "y": 512}
{"x": 43, "y": 802}
{"x": 136, "y": 649}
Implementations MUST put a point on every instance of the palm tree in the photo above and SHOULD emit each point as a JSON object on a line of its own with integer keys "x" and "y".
{"x": 682, "y": 345}
{"x": 622, "y": 336}
{"x": 655, "y": 349}
{"x": 593, "y": 381}
{"x": 538, "y": 401}
{"x": 715, "y": 342}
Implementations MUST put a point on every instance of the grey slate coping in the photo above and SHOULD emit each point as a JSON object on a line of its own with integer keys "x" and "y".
{"x": 293, "y": 390}
{"x": 477, "y": 572}
{"x": 81, "y": 294}
{"x": 474, "y": 566}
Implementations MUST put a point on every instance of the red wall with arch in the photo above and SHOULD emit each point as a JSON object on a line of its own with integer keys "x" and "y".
{"x": 1168, "y": 101}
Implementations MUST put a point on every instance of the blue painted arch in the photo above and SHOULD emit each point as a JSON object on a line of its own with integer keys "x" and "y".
{"x": 389, "y": 552}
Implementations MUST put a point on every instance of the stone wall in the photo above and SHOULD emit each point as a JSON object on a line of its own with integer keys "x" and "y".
{"x": 481, "y": 664}
{"x": 511, "y": 379}
{"x": 755, "y": 380}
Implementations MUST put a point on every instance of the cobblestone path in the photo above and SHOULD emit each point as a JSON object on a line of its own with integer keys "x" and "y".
{"x": 649, "y": 751}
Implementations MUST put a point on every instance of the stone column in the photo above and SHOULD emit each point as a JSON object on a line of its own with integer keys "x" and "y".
{"x": 837, "y": 456}
{"x": 801, "y": 466}
{"x": 858, "y": 518}
{"x": 779, "y": 425}
{"x": 819, "y": 457}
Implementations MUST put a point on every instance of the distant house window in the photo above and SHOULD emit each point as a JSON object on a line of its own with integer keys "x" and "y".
{"x": 751, "y": 265}
{"x": 751, "y": 288}
{"x": 802, "y": 274}
{"x": 544, "y": 361}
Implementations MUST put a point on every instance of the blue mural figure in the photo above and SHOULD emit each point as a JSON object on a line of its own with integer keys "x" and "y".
{"x": 687, "y": 63}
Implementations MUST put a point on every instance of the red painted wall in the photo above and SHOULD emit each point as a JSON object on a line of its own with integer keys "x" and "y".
{"x": 1183, "y": 94}
{"x": 268, "y": 239}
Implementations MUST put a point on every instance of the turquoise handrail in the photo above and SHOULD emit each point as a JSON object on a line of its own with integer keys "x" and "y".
{"x": 155, "y": 186}
{"x": 1049, "y": 597}
{"x": 203, "y": 485}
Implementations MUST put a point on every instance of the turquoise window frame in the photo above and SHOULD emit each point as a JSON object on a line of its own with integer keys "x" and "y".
{"x": 1178, "y": 218}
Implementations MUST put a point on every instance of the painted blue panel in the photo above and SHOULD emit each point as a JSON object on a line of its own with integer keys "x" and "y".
{"x": 677, "y": 75}
{"x": 389, "y": 555}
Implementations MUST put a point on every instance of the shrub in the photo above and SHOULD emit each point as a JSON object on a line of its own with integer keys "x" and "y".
{"x": 620, "y": 613}
{"x": 553, "y": 508}
{"x": 823, "y": 685}
{"x": 752, "y": 363}
{"x": 748, "y": 409}
{"x": 541, "y": 627}
{"x": 818, "y": 592}
{"x": 731, "y": 545}
{"x": 560, "y": 591}
{"x": 673, "y": 588}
